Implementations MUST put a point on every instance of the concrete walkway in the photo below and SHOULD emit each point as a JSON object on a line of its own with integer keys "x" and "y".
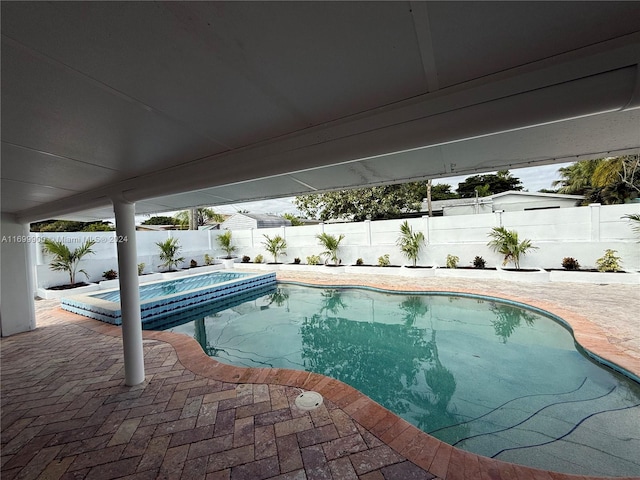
{"x": 66, "y": 413}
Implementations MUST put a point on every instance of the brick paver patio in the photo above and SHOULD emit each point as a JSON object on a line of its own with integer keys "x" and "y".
{"x": 66, "y": 413}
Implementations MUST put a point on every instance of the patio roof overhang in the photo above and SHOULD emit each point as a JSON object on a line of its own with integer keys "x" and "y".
{"x": 172, "y": 105}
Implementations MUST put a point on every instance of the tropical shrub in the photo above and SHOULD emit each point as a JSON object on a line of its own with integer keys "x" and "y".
{"x": 570, "y": 263}
{"x": 409, "y": 242}
{"x": 609, "y": 262}
{"x": 384, "y": 261}
{"x": 275, "y": 246}
{"x": 193, "y": 263}
{"x": 331, "y": 245}
{"x": 169, "y": 253}
{"x": 110, "y": 274}
{"x": 313, "y": 260}
{"x": 224, "y": 240}
{"x": 506, "y": 243}
{"x": 65, "y": 260}
{"x": 479, "y": 262}
{"x": 359, "y": 262}
{"x": 452, "y": 261}
{"x": 141, "y": 268}
{"x": 208, "y": 259}
{"x": 259, "y": 259}
{"x": 296, "y": 260}
{"x": 246, "y": 259}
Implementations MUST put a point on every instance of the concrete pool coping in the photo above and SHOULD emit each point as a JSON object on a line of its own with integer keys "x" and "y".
{"x": 609, "y": 340}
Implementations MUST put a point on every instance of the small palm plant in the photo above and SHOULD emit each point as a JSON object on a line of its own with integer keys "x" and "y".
{"x": 635, "y": 222}
{"x": 65, "y": 260}
{"x": 169, "y": 253}
{"x": 331, "y": 245}
{"x": 506, "y": 242}
{"x": 224, "y": 240}
{"x": 410, "y": 243}
{"x": 275, "y": 246}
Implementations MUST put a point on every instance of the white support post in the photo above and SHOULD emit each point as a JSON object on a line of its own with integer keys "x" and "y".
{"x": 129, "y": 292}
{"x": 595, "y": 221}
{"x": 17, "y": 310}
{"x": 367, "y": 232}
{"x": 427, "y": 229}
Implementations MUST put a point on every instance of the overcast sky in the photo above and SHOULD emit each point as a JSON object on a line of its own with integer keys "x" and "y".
{"x": 533, "y": 179}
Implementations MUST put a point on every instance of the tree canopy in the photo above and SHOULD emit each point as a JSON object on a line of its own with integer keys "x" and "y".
{"x": 489, "y": 184}
{"x": 71, "y": 226}
{"x": 392, "y": 201}
{"x": 375, "y": 203}
{"x": 608, "y": 181}
{"x": 442, "y": 191}
{"x": 160, "y": 220}
{"x": 295, "y": 221}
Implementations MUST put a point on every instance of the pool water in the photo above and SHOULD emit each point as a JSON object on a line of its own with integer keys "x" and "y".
{"x": 488, "y": 377}
{"x": 181, "y": 297}
{"x": 171, "y": 287}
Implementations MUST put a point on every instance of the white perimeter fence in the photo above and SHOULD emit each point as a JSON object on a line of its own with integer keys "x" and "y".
{"x": 583, "y": 233}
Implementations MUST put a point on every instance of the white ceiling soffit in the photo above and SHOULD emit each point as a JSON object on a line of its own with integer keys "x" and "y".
{"x": 551, "y": 143}
{"x": 236, "y": 101}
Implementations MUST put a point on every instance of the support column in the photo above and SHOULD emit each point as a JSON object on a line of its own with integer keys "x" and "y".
{"x": 17, "y": 310}
{"x": 594, "y": 209}
{"x": 367, "y": 232}
{"x": 129, "y": 292}
{"x": 427, "y": 228}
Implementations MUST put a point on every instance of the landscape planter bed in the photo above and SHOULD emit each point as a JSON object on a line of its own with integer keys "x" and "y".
{"x": 523, "y": 275}
{"x": 591, "y": 276}
{"x": 466, "y": 272}
{"x": 372, "y": 270}
{"x": 50, "y": 294}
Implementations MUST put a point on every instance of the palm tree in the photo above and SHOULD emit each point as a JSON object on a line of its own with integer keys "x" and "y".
{"x": 201, "y": 217}
{"x": 410, "y": 243}
{"x": 576, "y": 178}
{"x": 224, "y": 240}
{"x": 612, "y": 180}
{"x": 506, "y": 242}
{"x": 168, "y": 253}
{"x": 275, "y": 246}
{"x": 65, "y": 260}
{"x": 331, "y": 245}
{"x": 635, "y": 219}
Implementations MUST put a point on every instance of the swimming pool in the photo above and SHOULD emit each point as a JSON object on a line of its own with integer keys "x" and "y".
{"x": 170, "y": 287}
{"x": 486, "y": 376}
{"x": 168, "y": 297}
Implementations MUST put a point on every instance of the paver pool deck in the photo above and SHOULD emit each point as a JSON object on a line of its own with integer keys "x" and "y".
{"x": 66, "y": 413}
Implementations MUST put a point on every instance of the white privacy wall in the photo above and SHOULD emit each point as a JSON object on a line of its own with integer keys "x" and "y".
{"x": 581, "y": 232}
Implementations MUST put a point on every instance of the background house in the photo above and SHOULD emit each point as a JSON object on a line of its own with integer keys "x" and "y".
{"x": 511, "y": 201}
{"x": 244, "y": 221}
{"x": 156, "y": 228}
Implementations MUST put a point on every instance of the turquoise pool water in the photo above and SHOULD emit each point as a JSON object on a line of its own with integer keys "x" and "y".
{"x": 168, "y": 298}
{"x": 171, "y": 287}
{"x": 485, "y": 376}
